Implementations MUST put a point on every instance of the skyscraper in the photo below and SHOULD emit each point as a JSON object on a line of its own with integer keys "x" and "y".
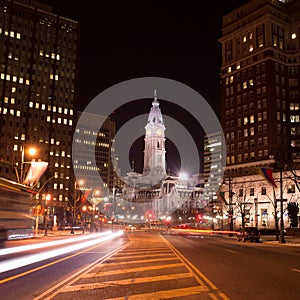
{"x": 260, "y": 84}
{"x": 38, "y": 61}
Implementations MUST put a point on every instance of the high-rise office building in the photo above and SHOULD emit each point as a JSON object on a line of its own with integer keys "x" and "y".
{"x": 38, "y": 67}
{"x": 212, "y": 171}
{"x": 260, "y": 84}
{"x": 95, "y": 162}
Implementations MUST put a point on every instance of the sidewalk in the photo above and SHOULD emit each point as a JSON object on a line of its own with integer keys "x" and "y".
{"x": 289, "y": 240}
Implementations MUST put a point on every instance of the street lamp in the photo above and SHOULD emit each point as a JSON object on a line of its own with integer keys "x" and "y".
{"x": 32, "y": 152}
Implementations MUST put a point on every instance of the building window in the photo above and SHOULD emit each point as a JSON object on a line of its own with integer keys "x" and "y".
{"x": 291, "y": 189}
{"x": 251, "y": 191}
{"x": 263, "y": 191}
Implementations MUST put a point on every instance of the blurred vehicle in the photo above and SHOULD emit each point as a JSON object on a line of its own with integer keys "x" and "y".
{"x": 16, "y": 218}
{"x": 130, "y": 227}
{"x": 251, "y": 234}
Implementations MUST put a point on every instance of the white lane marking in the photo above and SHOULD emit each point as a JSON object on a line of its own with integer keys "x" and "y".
{"x": 229, "y": 250}
{"x": 296, "y": 270}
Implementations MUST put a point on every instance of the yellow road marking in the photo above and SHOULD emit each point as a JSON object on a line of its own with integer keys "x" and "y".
{"x": 194, "y": 269}
{"x": 90, "y": 286}
{"x": 140, "y": 269}
{"x": 139, "y": 261}
{"x": 168, "y": 294}
{"x": 123, "y": 257}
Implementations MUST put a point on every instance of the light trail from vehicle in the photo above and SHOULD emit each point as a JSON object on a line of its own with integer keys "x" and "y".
{"x": 203, "y": 231}
{"x": 15, "y": 263}
{"x": 12, "y": 250}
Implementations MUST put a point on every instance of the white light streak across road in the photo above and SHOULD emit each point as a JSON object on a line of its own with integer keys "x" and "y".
{"x": 30, "y": 259}
{"x": 49, "y": 244}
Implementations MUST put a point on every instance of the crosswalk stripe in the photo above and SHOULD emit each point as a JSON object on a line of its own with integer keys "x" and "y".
{"x": 140, "y": 261}
{"x": 90, "y": 286}
{"x": 168, "y": 294}
{"x": 140, "y": 269}
{"x": 123, "y": 257}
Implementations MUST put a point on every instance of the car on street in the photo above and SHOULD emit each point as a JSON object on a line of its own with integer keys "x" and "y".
{"x": 251, "y": 234}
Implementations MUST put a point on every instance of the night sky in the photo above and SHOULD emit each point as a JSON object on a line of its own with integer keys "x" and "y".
{"x": 121, "y": 41}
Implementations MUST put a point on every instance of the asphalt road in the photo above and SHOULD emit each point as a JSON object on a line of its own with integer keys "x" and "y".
{"x": 146, "y": 265}
{"x": 244, "y": 270}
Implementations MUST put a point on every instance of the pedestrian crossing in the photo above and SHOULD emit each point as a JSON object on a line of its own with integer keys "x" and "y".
{"x": 148, "y": 268}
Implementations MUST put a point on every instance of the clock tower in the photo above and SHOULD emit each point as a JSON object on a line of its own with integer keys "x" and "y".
{"x": 155, "y": 153}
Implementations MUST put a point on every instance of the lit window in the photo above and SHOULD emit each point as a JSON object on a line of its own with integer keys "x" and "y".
{"x": 65, "y": 111}
{"x": 13, "y": 89}
{"x": 57, "y": 56}
{"x": 12, "y": 100}
{"x": 15, "y": 147}
{"x": 7, "y": 77}
{"x": 2, "y": 76}
{"x": 43, "y": 107}
{"x": 244, "y": 39}
{"x": 21, "y": 80}
{"x": 37, "y": 105}
{"x": 53, "y": 55}
{"x": 245, "y": 120}
{"x": 48, "y": 119}
{"x": 238, "y": 66}
{"x": 55, "y": 184}
{"x": 27, "y": 81}
{"x": 251, "y": 48}
{"x": 56, "y": 77}
{"x": 18, "y": 113}
{"x": 14, "y": 79}
{"x": 244, "y": 85}
{"x": 65, "y": 121}
{"x": 51, "y": 76}
{"x": 252, "y": 119}
{"x": 229, "y": 70}
{"x": 4, "y": 111}
{"x": 60, "y": 109}
{"x": 41, "y": 53}
{"x": 293, "y": 36}
{"x": 12, "y": 112}
{"x": 49, "y": 107}
{"x": 70, "y": 122}
{"x": 59, "y": 120}
{"x": 54, "y": 109}
{"x": 18, "y": 36}
{"x": 71, "y": 112}
{"x": 5, "y": 99}
{"x": 251, "y": 82}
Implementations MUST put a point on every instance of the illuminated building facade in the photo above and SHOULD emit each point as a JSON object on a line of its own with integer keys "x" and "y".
{"x": 95, "y": 155}
{"x": 38, "y": 72}
{"x": 260, "y": 107}
{"x": 260, "y": 83}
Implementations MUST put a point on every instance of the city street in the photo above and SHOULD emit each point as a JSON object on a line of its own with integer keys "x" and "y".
{"x": 150, "y": 265}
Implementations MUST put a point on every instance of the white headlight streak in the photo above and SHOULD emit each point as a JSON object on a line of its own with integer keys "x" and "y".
{"x": 30, "y": 259}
